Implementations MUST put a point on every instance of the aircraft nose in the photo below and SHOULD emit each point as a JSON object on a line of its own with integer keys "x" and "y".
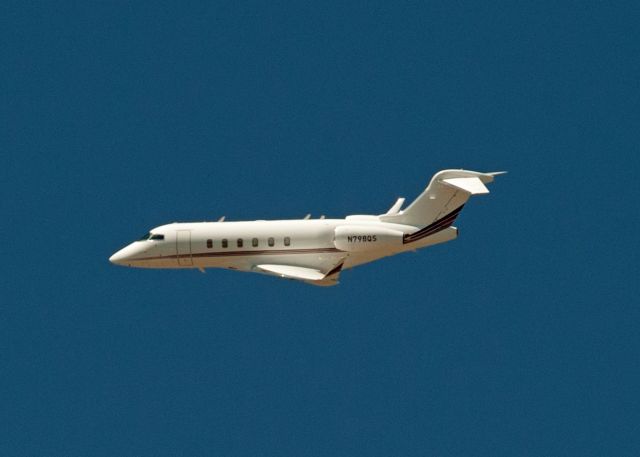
{"x": 124, "y": 255}
{"x": 118, "y": 258}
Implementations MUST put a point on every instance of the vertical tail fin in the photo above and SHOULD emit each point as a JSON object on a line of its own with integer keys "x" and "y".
{"x": 441, "y": 202}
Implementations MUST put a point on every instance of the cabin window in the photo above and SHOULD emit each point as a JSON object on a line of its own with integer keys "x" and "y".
{"x": 157, "y": 237}
{"x": 271, "y": 242}
{"x": 287, "y": 241}
{"x": 239, "y": 242}
{"x": 225, "y": 243}
{"x": 209, "y": 244}
{"x": 254, "y": 242}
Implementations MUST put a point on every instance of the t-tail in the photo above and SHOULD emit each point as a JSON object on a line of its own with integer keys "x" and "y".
{"x": 441, "y": 202}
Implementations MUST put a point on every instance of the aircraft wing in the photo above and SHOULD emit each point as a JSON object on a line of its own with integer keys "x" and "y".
{"x": 306, "y": 274}
{"x": 291, "y": 272}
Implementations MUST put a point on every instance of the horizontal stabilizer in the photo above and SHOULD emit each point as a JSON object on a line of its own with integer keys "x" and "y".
{"x": 291, "y": 272}
{"x": 472, "y": 185}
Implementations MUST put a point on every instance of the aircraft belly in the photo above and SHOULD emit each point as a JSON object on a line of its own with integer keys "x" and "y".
{"x": 321, "y": 262}
{"x": 169, "y": 262}
{"x": 211, "y": 262}
{"x": 361, "y": 258}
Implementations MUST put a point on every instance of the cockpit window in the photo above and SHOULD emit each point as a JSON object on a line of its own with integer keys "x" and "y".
{"x": 157, "y": 236}
{"x": 146, "y": 237}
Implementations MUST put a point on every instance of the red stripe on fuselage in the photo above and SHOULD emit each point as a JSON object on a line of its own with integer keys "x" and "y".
{"x": 242, "y": 253}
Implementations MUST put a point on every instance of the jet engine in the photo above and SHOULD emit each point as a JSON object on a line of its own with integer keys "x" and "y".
{"x": 361, "y": 238}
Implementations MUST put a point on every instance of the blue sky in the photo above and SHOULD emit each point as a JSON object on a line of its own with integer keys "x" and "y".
{"x": 519, "y": 338}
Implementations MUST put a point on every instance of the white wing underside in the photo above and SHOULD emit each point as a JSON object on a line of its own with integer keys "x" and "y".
{"x": 307, "y": 274}
{"x": 291, "y": 272}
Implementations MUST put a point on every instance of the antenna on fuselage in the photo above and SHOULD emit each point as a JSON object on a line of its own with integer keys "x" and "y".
{"x": 221, "y": 219}
{"x": 307, "y": 216}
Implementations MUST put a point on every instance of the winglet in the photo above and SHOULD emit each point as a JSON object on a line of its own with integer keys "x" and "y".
{"x": 396, "y": 206}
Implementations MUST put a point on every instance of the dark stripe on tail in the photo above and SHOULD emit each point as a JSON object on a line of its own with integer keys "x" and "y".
{"x": 434, "y": 227}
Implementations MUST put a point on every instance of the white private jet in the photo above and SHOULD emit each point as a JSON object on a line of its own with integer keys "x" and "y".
{"x": 311, "y": 250}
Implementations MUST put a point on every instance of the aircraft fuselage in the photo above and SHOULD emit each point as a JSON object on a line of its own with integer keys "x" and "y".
{"x": 241, "y": 245}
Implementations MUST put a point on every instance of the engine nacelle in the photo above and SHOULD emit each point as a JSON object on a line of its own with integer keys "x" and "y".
{"x": 361, "y": 238}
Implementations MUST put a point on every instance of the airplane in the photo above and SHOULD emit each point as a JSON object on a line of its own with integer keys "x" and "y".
{"x": 314, "y": 251}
